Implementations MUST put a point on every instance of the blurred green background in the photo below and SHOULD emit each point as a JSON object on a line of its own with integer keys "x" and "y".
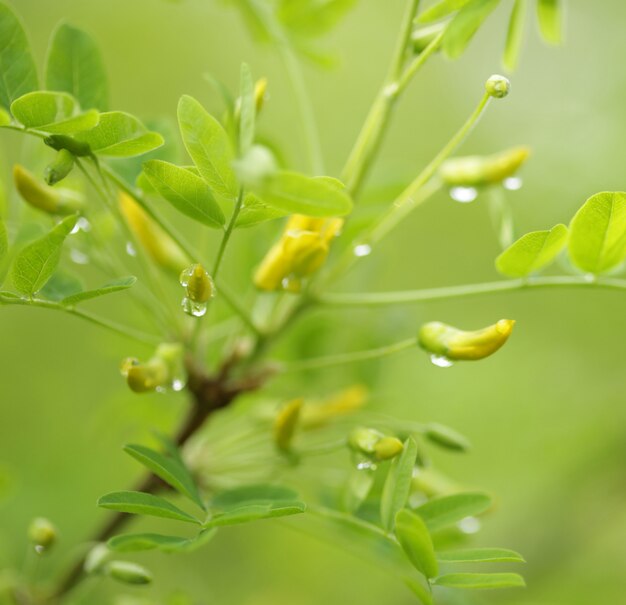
{"x": 546, "y": 415}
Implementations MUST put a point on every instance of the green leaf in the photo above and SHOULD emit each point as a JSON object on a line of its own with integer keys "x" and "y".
{"x": 448, "y": 510}
{"x": 480, "y": 581}
{"x": 532, "y": 252}
{"x": 480, "y": 555}
{"x": 255, "y": 211}
{"x": 464, "y": 25}
{"x": 597, "y": 241}
{"x": 150, "y": 541}
{"x": 17, "y": 66}
{"x": 139, "y": 503}
{"x": 398, "y": 484}
{"x": 295, "y": 193}
{"x": 446, "y": 437}
{"x": 53, "y": 112}
{"x": 422, "y": 593}
{"x": 172, "y": 471}
{"x": 187, "y": 192}
{"x": 416, "y": 542}
{"x": 441, "y": 9}
{"x": 254, "y": 512}
{"x": 35, "y": 264}
{"x": 5, "y": 118}
{"x": 252, "y": 494}
{"x": 312, "y": 19}
{"x": 247, "y": 111}
{"x": 515, "y": 35}
{"x": 119, "y": 134}
{"x": 549, "y": 14}
{"x": 209, "y": 147}
{"x": 60, "y": 286}
{"x": 74, "y": 65}
{"x": 123, "y": 283}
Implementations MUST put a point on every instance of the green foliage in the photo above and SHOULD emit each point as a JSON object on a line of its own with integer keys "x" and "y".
{"x": 480, "y": 581}
{"x": 480, "y": 555}
{"x": 597, "y": 241}
{"x": 17, "y": 66}
{"x": 549, "y": 15}
{"x": 74, "y": 65}
{"x": 35, "y": 264}
{"x": 464, "y": 26}
{"x": 532, "y": 252}
{"x": 150, "y": 541}
{"x": 53, "y": 112}
{"x": 187, "y": 192}
{"x": 255, "y": 211}
{"x": 139, "y": 503}
{"x": 247, "y": 111}
{"x": 119, "y": 134}
{"x": 398, "y": 484}
{"x": 118, "y": 285}
{"x": 416, "y": 542}
{"x": 444, "y": 511}
{"x": 515, "y": 35}
{"x": 446, "y": 437}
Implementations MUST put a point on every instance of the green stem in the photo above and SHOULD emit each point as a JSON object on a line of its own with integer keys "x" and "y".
{"x": 345, "y": 358}
{"x": 433, "y": 294}
{"x": 227, "y": 233}
{"x": 112, "y": 326}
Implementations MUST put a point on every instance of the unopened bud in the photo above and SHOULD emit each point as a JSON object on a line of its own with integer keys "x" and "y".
{"x": 128, "y": 573}
{"x": 42, "y": 534}
{"x": 453, "y": 344}
{"x": 446, "y": 437}
{"x": 260, "y": 94}
{"x": 387, "y": 448}
{"x": 40, "y": 196}
{"x": 364, "y": 440}
{"x": 345, "y": 402}
{"x": 61, "y": 141}
{"x": 198, "y": 284}
{"x": 60, "y": 167}
{"x": 497, "y": 86}
{"x": 286, "y": 424}
{"x": 145, "y": 377}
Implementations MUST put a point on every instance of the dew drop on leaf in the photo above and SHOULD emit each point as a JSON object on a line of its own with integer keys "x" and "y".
{"x": 195, "y": 309}
{"x": 130, "y": 249}
{"x": 469, "y": 525}
{"x": 362, "y": 250}
{"x": 464, "y": 195}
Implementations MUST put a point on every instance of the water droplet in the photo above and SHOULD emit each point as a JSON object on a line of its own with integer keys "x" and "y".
{"x": 178, "y": 384}
{"x": 365, "y": 465}
{"x": 130, "y": 249}
{"x": 161, "y": 389}
{"x": 291, "y": 284}
{"x": 78, "y": 257}
{"x": 469, "y": 525}
{"x": 589, "y": 278}
{"x": 362, "y": 250}
{"x": 464, "y": 195}
{"x": 185, "y": 276}
{"x": 441, "y": 361}
{"x": 193, "y": 308}
{"x": 75, "y": 229}
{"x": 83, "y": 224}
{"x": 513, "y": 183}
{"x": 39, "y": 549}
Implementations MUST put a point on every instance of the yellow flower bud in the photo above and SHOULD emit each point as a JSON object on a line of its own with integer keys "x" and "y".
{"x": 480, "y": 171}
{"x": 345, "y": 402}
{"x": 300, "y": 252}
{"x": 198, "y": 283}
{"x": 42, "y": 197}
{"x": 453, "y": 344}
{"x": 260, "y": 93}
{"x": 145, "y": 377}
{"x": 42, "y": 534}
{"x": 364, "y": 440}
{"x": 286, "y": 423}
{"x": 387, "y": 448}
{"x": 158, "y": 244}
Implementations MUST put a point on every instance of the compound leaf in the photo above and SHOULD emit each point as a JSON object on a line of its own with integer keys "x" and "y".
{"x": 140, "y": 503}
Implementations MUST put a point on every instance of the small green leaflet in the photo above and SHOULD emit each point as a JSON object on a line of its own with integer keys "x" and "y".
{"x": 448, "y": 510}
{"x": 119, "y": 134}
{"x": 247, "y": 110}
{"x": 123, "y": 283}
{"x": 168, "y": 544}
{"x": 597, "y": 241}
{"x": 419, "y": 591}
{"x": 480, "y": 581}
{"x": 255, "y": 211}
{"x": 416, "y": 542}
{"x": 187, "y": 192}
{"x": 441, "y": 9}
{"x": 446, "y": 437}
{"x": 532, "y": 252}
{"x": 209, "y": 147}
{"x": 515, "y": 35}
{"x": 464, "y": 25}
{"x": 172, "y": 471}
{"x": 296, "y": 193}
{"x": 398, "y": 484}
{"x": 139, "y": 503}
{"x": 53, "y": 112}
{"x": 74, "y": 65}
{"x": 17, "y": 66}
{"x": 549, "y": 14}
{"x": 35, "y": 264}
{"x": 480, "y": 555}
{"x": 252, "y": 494}
{"x": 254, "y": 512}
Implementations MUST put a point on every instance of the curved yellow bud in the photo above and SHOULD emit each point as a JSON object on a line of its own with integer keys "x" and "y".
{"x": 40, "y": 196}
{"x": 286, "y": 423}
{"x": 454, "y": 344}
{"x": 480, "y": 171}
{"x": 388, "y": 448}
{"x": 345, "y": 402}
{"x": 374, "y": 444}
{"x": 158, "y": 244}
